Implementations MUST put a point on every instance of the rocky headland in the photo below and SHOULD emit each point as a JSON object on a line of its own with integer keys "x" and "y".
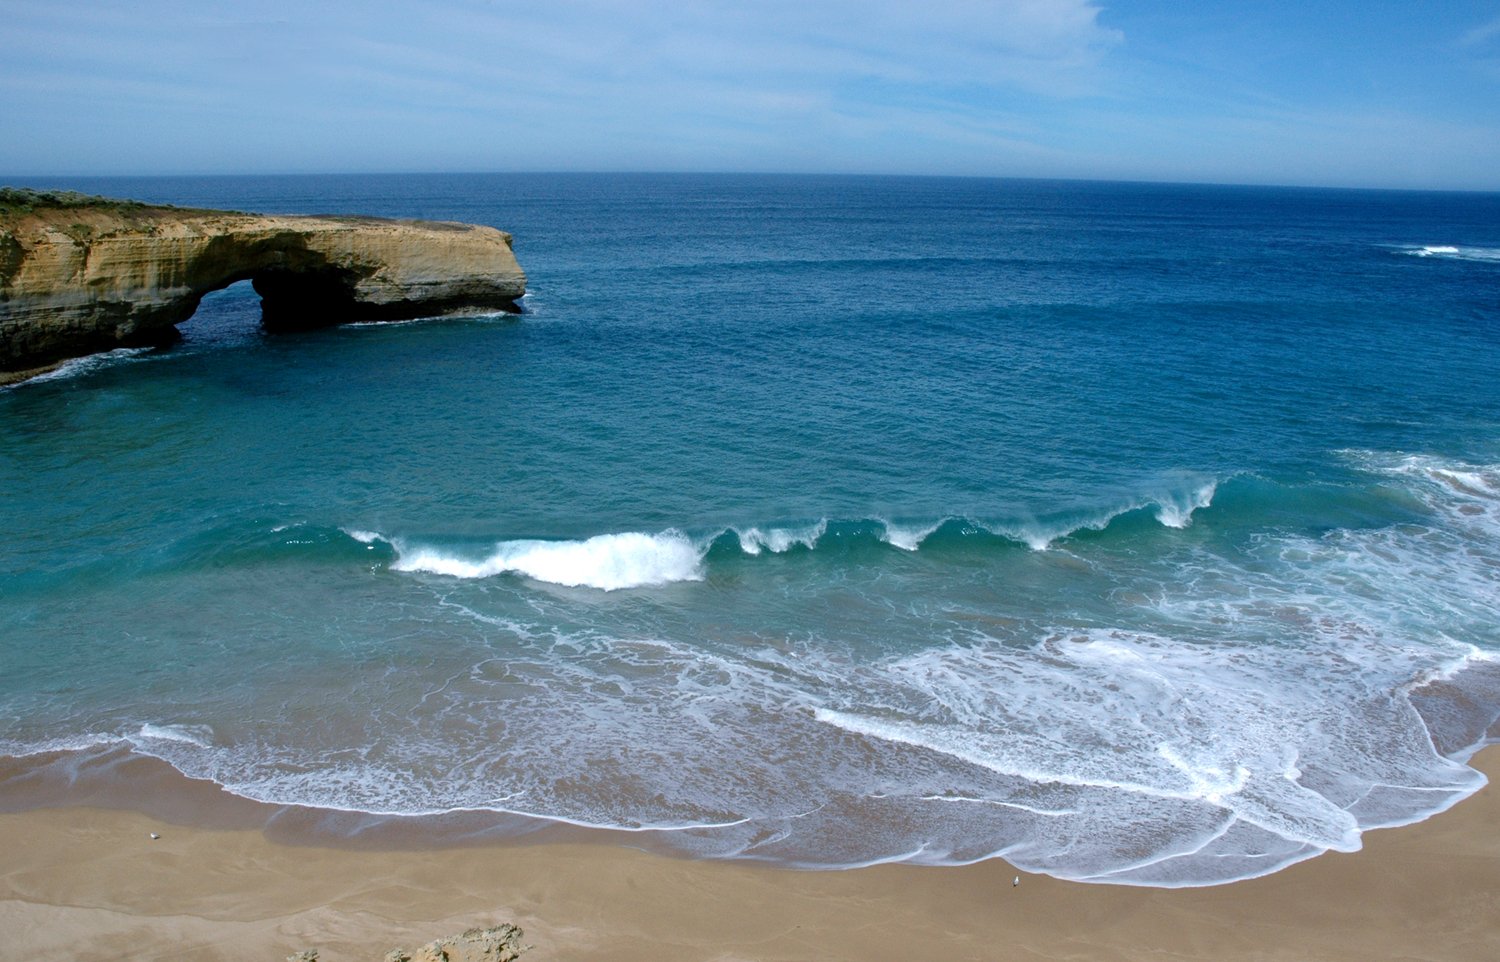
{"x": 80, "y": 275}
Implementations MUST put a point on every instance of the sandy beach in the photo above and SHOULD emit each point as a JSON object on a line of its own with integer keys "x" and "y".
{"x": 91, "y": 883}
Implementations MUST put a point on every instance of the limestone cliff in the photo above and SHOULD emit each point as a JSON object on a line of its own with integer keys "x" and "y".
{"x": 82, "y": 275}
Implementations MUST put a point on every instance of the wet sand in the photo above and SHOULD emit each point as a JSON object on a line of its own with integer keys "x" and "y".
{"x": 89, "y": 883}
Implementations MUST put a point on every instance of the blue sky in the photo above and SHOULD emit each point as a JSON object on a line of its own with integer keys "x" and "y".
{"x": 1375, "y": 93}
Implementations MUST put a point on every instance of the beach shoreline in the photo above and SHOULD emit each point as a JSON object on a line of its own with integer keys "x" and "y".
{"x": 91, "y": 883}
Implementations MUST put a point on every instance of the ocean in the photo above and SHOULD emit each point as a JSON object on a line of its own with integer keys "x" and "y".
{"x": 1132, "y": 533}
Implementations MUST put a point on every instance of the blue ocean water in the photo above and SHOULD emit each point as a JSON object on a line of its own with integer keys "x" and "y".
{"x": 1131, "y": 533}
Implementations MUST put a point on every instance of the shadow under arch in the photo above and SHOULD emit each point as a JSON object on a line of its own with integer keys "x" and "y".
{"x": 298, "y": 288}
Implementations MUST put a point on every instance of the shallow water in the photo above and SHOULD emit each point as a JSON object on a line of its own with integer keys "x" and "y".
{"x": 1117, "y": 530}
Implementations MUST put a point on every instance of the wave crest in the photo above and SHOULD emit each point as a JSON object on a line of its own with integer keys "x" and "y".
{"x": 779, "y": 540}
{"x": 634, "y": 559}
{"x": 607, "y": 561}
{"x": 1454, "y": 253}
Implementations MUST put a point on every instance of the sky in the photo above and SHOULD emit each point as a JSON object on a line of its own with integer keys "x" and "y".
{"x": 1365, "y": 93}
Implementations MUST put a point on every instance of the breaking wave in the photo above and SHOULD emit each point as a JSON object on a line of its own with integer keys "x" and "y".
{"x": 633, "y": 559}
{"x": 606, "y": 561}
{"x": 81, "y": 366}
{"x": 1451, "y": 252}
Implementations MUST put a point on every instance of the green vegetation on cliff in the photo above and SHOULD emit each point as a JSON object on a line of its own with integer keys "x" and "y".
{"x": 24, "y": 200}
{"x": 18, "y": 202}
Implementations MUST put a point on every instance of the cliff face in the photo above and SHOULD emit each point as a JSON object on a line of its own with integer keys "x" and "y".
{"x": 76, "y": 280}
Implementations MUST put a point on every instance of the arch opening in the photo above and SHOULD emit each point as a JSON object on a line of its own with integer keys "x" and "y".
{"x": 228, "y": 315}
{"x": 250, "y": 304}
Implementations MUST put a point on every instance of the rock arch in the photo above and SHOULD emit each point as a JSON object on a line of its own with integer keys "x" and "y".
{"x": 79, "y": 280}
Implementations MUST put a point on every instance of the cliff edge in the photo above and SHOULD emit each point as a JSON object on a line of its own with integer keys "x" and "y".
{"x": 79, "y": 275}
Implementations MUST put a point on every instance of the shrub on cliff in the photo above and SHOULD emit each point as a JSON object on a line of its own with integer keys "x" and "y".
{"x": 24, "y": 200}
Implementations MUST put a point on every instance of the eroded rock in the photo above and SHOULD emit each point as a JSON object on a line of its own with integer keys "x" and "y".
{"x": 95, "y": 275}
{"x": 501, "y": 943}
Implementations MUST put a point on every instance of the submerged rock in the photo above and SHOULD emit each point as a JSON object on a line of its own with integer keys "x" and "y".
{"x": 80, "y": 275}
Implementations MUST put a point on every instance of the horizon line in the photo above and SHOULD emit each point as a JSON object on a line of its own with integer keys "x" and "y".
{"x": 13, "y": 180}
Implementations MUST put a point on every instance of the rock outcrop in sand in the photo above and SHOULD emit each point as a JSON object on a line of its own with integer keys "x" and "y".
{"x": 499, "y": 944}
{"x": 502, "y": 943}
{"x": 82, "y": 275}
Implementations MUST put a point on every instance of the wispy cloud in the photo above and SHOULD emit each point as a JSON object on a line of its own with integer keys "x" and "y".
{"x": 1044, "y": 46}
{"x": 1481, "y": 35}
{"x": 591, "y": 74}
{"x": 1068, "y": 87}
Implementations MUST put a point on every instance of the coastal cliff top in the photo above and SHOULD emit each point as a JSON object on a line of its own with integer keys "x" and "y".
{"x": 16, "y": 201}
{"x": 24, "y": 211}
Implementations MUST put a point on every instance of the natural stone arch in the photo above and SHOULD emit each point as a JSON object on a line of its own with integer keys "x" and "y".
{"x": 86, "y": 279}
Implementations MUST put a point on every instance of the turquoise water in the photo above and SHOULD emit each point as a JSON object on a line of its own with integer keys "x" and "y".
{"x": 1131, "y": 533}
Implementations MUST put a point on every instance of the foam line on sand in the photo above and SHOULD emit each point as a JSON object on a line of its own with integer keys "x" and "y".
{"x": 85, "y": 883}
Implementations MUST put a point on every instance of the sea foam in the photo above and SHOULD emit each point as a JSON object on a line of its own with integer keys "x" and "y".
{"x": 779, "y": 540}
{"x": 199, "y": 735}
{"x": 908, "y": 537}
{"x": 1175, "y": 510}
{"x": 80, "y": 366}
{"x": 608, "y": 561}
